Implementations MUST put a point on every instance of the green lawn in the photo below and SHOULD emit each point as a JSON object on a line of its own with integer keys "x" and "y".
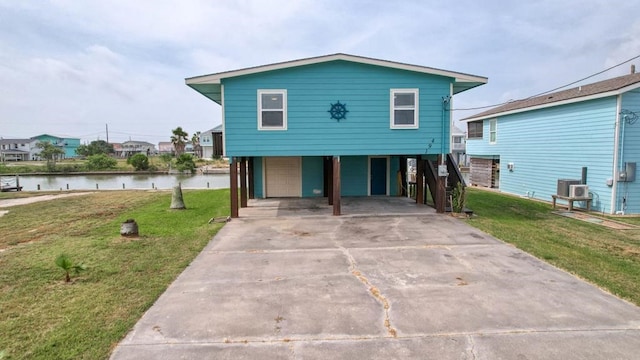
{"x": 606, "y": 257}
{"x": 78, "y": 165}
{"x": 41, "y": 317}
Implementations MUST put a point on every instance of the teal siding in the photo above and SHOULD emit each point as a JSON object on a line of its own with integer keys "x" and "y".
{"x": 554, "y": 143}
{"x": 70, "y": 146}
{"x": 258, "y": 174}
{"x": 311, "y": 90}
{"x": 630, "y": 152}
{"x": 312, "y": 176}
{"x": 394, "y": 167}
{"x": 354, "y": 175}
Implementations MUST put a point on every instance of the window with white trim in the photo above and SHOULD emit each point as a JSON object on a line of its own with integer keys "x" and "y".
{"x": 404, "y": 108}
{"x": 272, "y": 109}
{"x": 493, "y": 130}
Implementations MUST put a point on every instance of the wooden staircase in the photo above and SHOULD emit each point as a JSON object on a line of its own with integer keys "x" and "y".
{"x": 455, "y": 177}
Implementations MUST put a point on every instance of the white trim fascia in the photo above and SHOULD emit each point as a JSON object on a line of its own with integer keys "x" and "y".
{"x": 451, "y": 126}
{"x": 553, "y": 104}
{"x": 216, "y": 78}
{"x": 224, "y": 133}
{"x": 616, "y": 154}
{"x": 416, "y": 105}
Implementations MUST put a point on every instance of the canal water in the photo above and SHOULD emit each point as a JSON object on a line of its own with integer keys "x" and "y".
{"x": 129, "y": 181}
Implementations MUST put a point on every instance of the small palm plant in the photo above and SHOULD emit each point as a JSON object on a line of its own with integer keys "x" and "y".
{"x": 63, "y": 262}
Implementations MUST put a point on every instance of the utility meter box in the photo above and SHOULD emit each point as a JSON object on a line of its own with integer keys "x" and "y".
{"x": 442, "y": 170}
{"x": 628, "y": 173}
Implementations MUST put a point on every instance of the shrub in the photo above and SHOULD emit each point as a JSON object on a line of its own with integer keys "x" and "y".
{"x": 139, "y": 162}
{"x": 101, "y": 162}
{"x": 185, "y": 162}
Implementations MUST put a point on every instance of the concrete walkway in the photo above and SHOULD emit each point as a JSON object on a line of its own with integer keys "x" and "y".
{"x": 417, "y": 286}
{"x": 5, "y": 203}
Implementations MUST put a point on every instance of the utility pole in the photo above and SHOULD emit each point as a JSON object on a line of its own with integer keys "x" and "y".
{"x": 107, "y": 128}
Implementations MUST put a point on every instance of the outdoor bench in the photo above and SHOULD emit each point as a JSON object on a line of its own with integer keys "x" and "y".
{"x": 570, "y": 200}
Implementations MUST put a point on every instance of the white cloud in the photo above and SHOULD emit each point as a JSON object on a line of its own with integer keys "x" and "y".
{"x": 71, "y": 66}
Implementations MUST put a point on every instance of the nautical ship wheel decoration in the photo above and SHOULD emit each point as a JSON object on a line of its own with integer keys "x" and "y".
{"x": 338, "y": 111}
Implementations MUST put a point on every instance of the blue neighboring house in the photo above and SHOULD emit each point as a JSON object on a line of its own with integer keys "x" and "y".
{"x": 589, "y": 133}
{"x": 335, "y": 125}
{"x": 68, "y": 145}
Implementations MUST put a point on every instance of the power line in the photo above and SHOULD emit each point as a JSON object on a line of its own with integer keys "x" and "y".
{"x": 552, "y": 90}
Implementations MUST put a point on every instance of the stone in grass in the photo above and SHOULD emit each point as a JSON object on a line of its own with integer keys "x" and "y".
{"x": 176, "y": 198}
{"x": 129, "y": 228}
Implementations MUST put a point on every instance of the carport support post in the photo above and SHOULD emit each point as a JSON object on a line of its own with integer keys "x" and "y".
{"x": 329, "y": 179}
{"x": 419, "y": 180}
{"x": 403, "y": 176}
{"x": 441, "y": 191}
{"x": 243, "y": 182}
{"x": 233, "y": 184}
{"x": 336, "y": 185}
{"x": 252, "y": 191}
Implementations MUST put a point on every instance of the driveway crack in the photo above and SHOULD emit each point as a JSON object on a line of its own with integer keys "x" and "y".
{"x": 373, "y": 291}
{"x": 471, "y": 347}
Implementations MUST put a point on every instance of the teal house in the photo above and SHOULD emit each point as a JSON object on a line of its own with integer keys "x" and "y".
{"x": 335, "y": 125}
{"x": 580, "y": 142}
{"x": 68, "y": 145}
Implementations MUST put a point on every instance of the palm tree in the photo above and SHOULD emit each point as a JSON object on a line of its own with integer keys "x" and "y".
{"x": 179, "y": 139}
{"x": 195, "y": 140}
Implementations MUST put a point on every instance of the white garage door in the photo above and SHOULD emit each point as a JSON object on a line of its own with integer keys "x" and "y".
{"x": 283, "y": 176}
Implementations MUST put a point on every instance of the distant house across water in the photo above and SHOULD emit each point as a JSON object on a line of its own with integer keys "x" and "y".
{"x": 68, "y": 145}
{"x": 211, "y": 142}
{"x": 133, "y": 147}
{"x": 165, "y": 147}
{"x": 14, "y": 149}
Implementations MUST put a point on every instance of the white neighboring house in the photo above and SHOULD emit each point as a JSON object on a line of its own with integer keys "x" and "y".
{"x": 132, "y": 147}
{"x": 14, "y": 149}
{"x": 211, "y": 142}
{"x": 459, "y": 146}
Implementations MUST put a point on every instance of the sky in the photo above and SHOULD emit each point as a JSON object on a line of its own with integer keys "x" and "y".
{"x": 74, "y": 68}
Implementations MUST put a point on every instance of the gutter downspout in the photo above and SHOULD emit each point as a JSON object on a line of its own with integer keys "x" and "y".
{"x": 224, "y": 132}
{"x": 446, "y": 106}
{"x": 616, "y": 151}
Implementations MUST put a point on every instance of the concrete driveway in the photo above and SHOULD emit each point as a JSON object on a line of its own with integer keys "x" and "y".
{"x": 287, "y": 284}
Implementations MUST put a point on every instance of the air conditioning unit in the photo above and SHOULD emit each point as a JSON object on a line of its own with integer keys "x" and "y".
{"x": 579, "y": 191}
{"x": 563, "y": 186}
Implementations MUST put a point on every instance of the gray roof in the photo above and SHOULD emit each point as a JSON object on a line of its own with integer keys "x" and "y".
{"x": 136, "y": 142}
{"x": 13, "y": 151}
{"x": 15, "y": 141}
{"x": 598, "y": 89}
